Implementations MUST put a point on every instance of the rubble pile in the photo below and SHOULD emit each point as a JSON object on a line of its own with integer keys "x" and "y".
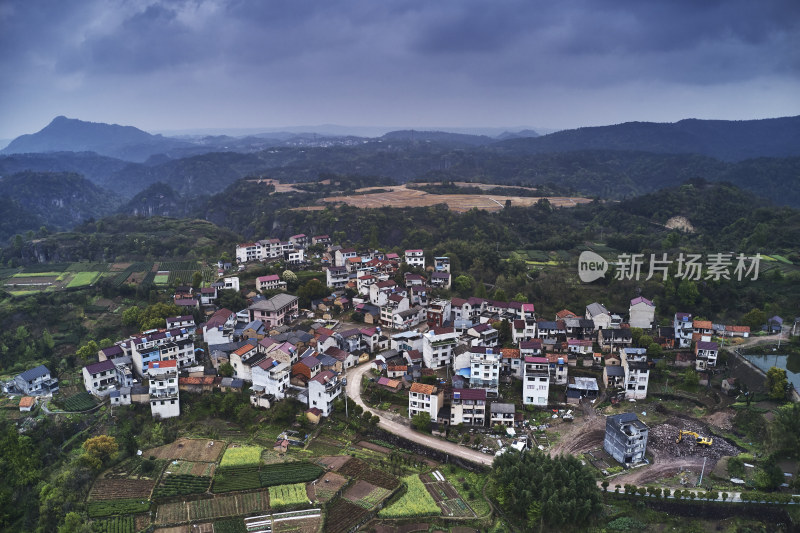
{"x": 662, "y": 439}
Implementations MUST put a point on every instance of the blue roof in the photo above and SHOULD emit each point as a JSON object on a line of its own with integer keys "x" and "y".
{"x": 466, "y": 372}
{"x": 33, "y": 373}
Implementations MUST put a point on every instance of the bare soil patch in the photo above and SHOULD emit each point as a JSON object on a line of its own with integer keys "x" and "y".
{"x": 402, "y": 196}
{"x": 334, "y": 462}
{"x": 358, "y": 490}
{"x": 113, "y": 489}
{"x": 309, "y": 524}
{"x": 201, "y": 450}
{"x": 325, "y": 487}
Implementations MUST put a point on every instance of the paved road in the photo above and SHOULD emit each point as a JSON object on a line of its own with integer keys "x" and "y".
{"x": 390, "y": 423}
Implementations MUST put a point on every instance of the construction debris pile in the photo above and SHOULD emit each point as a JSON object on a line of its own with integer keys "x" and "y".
{"x": 663, "y": 436}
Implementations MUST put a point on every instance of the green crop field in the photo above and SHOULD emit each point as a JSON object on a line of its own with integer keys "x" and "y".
{"x": 287, "y": 473}
{"x": 179, "y": 484}
{"x": 285, "y": 495}
{"x": 417, "y": 501}
{"x": 100, "y": 508}
{"x": 79, "y": 402}
{"x": 161, "y": 279}
{"x": 117, "y": 524}
{"x": 227, "y": 479}
{"x": 81, "y": 279}
{"x": 241, "y": 456}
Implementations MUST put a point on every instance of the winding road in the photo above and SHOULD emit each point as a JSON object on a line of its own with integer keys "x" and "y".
{"x": 401, "y": 426}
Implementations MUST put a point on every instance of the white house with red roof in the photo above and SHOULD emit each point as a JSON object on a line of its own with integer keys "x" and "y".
{"x": 415, "y": 258}
{"x": 249, "y": 251}
{"x": 323, "y": 389}
{"x": 642, "y": 313}
{"x": 270, "y": 283}
{"x": 164, "y": 393}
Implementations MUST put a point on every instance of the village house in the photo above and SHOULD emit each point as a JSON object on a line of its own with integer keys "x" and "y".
{"x": 299, "y": 241}
{"x": 536, "y": 383}
{"x": 249, "y": 251}
{"x": 550, "y": 330}
{"x": 706, "y": 355}
{"x": 511, "y": 360}
{"x": 164, "y": 393}
{"x": 101, "y": 378}
{"x": 336, "y": 277}
{"x": 582, "y": 387}
{"x": 392, "y": 385}
{"x": 341, "y": 256}
{"x": 323, "y": 240}
{"x": 531, "y": 348}
{"x": 437, "y": 347}
{"x": 270, "y": 283}
{"x": 637, "y": 373}
{"x": 255, "y": 330}
{"x": 219, "y": 328}
{"x": 468, "y": 407}
{"x": 424, "y": 399}
{"x": 642, "y": 313}
{"x": 169, "y": 345}
{"x": 441, "y": 280}
{"x": 597, "y": 313}
{"x": 683, "y": 329}
{"x": 626, "y": 438}
{"x": 36, "y": 381}
{"x": 438, "y": 313}
{"x": 579, "y": 346}
{"x": 613, "y": 377}
{"x": 208, "y": 295}
{"x": 523, "y": 330}
{"x": 197, "y": 384}
{"x": 483, "y": 335}
{"x": 307, "y": 367}
{"x": 702, "y": 330}
{"x": 323, "y": 389}
{"x": 578, "y": 328}
{"x": 485, "y": 371}
{"x": 185, "y": 321}
{"x": 558, "y": 368}
{"x": 271, "y": 377}
{"x": 243, "y": 357}
{"x": 415, "y": 258}
{"x": 612, "y": 339}
{"x": 441, "y": 264}
{"x": 26, "y": 404}
{"x": 501, "y": 414}
{"x": 278, "y": 310}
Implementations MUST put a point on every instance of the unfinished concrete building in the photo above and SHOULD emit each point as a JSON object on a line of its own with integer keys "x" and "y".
{"x": 626, "y": 438}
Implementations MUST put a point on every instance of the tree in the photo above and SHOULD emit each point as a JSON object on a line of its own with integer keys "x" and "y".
{"x": 687, "y": 292}
{"x": 231, "y": 299}
{"x": 784, "y": 430}
{"x": 690, "y": 378}
{"x": 88, "y": 350}
{"x": 291, "y": 280}
{"x": 226, "y": 370}
{"x": 755, "y": 318}
{"x": 463, "y": 284}
{"x": 636, "y": 334}
{"x": 130, "y": 316}
{"x": 776, "y": 383}
{"x": 500, "y": 295}
{"x": 311, "y": 290}
{"x": 197, "y": 280}
{"x": 645, "y": 341}
{"x": 97, "y": 450}
{"x": 421, "y": 422}
{"x": 654, "y": 350}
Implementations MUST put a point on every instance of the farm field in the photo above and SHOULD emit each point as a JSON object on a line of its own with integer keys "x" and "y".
{"x": 113, "y": 489}
{"x": 402, "y": 196}
{"x": 191, "y": 468}
{"x": 79, "y": 402}
{"x": 117, "y": 524}
{"x": 358, "y": 469}
{"x": 101, "y": 508}
{"x": 232, "y": 478}
{"x": 286, "y": 495}
{"x": 285, "y": 473}
{"x": 180, "y": 484}
{"x": 365, "y": 494}
{"x": 417, "y": 501}
{"x": 445, "y": 495}
{"x": 82, "y": 279}
{"x": 326, "y": 487}
{"x": 241, "y": 456}
{"x": 189, "y": 450}
{"x": 342, "y": 516}
{"x": 218, "y": 506}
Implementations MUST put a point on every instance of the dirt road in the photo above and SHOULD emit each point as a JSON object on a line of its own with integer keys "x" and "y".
{"x": 400, "y": 426}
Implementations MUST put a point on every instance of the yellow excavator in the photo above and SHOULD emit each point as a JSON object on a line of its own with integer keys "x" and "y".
{"x": 702, "y": 441}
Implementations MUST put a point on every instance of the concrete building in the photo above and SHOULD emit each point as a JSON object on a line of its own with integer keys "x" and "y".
{"x": 468, "y": 407}
{"x": 642, "y": 313}
{"x": 683, "y": 329}
{"x": 36, "y": 381}
{"x": 598, "y": 313}
{"x": 164, "y": 392}
{"x": 424, "y": 399}
{"x": 323, "y": 389}
{"x": 485, "y": 371}
{"x": 626, "y": 438}
{"x": 437, "y": 347}
{"x": 637, "y": 372}
{"x": 277, "y": 311}
{"x": 536, "y": 383}
{"x": 502, "y": 414}
{"x": 415, "y": 258}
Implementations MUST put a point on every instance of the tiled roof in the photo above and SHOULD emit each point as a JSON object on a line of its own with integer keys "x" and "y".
{"x": 33, "y": 373}
{"x": 102, "y": 366}
{"x": 701, "y": 324}
{"x": 642, "y": 299}
{"x": 469, "y": 394}
{"x": 422, "y": 388}
{"x": 324, "y": 377}
{"x": 510, "y": 353}
{"x": 163, "y": 364}
{"x": 27, "y": 401}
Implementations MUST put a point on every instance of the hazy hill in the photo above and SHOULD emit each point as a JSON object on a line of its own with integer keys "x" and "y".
{"x": 72, "y": 135}
{"x": 440, "y": 137}
{"x": 722, "y": 139}
{"x": 56, "y": 200}
{"x": 96, "y": 168}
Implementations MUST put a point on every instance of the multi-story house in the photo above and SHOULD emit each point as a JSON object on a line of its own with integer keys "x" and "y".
{"x": 219, "y": 328}
{"x": 441, "y": 264}
{"x": 364, "y": 282}
{"x": 341, "y": 256}
{"x": 424, "y": 398}
{"x": 483, "y": 335}
{"x": 579, "y": 328}
{"x": 637, "y": 372}
{"x": 415, "y": 258}
{"x": 164, "y": 393}
{"x": 100, "y": 378}
{"x": 579, "y": 346}
{"x": 36, "y": 381}
{"x": 299, "y": 241}
{"x": 626, "y": 438}
{"x": 706, "y": 355}
{"x": 501, "y": 414}
{"x": 485, "y": 372}
{"x": 531, "y": 348}
{"x": 323, "y": 389}
{"x": 441, "y": 280}
{"x": 336, "y": 276}
{"x": 523, "y": 330}
{"x": 324, "y": 240}
{"x": 438, "y": 313}
{"x": 277, "y": 311}
{"x": 437, "y": 347}
{"x": 702, "y": 330}
{"x": 185, "y": 321}
{"x": 171, "y": 345}
{"x": 536, "y": 381}
{"x": 249, "y": 251}
{"x": 642, "y": 313}
{"x": 511, "y": 361}
{"x": 557, "y": 366}
{"x": 270, "y": 283}
{"x": 468, "y": 407}
{"x": 612, "y": 339}
{"x": 271, "y": 377}
{"x": 683, "y": 329}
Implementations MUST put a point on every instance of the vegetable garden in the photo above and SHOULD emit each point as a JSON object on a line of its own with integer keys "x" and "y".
{"x": 358, "y": 469}
{"x": 100, "y": 508}
{"x": 79, "y": 402}
{"x": 118, "y": 524}
{"x": 232, "y": 478}
{"x": 121, "y": 489}
{"x": 178, "y": 484}
{"x": 417, "y": 501}
{"x": 219, "y": 506}
{"x": 285, "y": 495}
{"x": 241, "y": 456}
{"x": 343, "y": 516}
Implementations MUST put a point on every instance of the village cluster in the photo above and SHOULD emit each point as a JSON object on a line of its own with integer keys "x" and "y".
{"x": 409, "y": 335}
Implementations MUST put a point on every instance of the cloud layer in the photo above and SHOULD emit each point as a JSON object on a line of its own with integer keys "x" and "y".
{"x": 234, "y": 63}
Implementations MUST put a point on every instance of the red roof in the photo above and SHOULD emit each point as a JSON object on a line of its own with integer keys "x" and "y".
{"x": 163, "y": 364}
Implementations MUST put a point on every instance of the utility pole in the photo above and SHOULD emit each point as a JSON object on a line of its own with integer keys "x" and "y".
{"x": 702, "y": 472}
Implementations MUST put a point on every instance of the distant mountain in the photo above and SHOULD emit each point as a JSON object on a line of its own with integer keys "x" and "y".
{"x": 439, "y": 137}
{"x": 72, "y": 135}
{"x": 524, "y": 134}
{"x": 722, "y": 139}
{"x": 161, "y": 200}
{"x": 96, "y": 168}
{"x": 58, "y": 200}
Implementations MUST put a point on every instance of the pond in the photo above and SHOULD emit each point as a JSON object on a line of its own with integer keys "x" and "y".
{"x": 790, "y": 363}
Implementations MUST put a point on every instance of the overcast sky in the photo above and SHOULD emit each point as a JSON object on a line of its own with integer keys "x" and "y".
{"x": 184, "y": 64}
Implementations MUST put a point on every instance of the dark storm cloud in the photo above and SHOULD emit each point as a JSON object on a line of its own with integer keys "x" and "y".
{"x": 434, "y": 57}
